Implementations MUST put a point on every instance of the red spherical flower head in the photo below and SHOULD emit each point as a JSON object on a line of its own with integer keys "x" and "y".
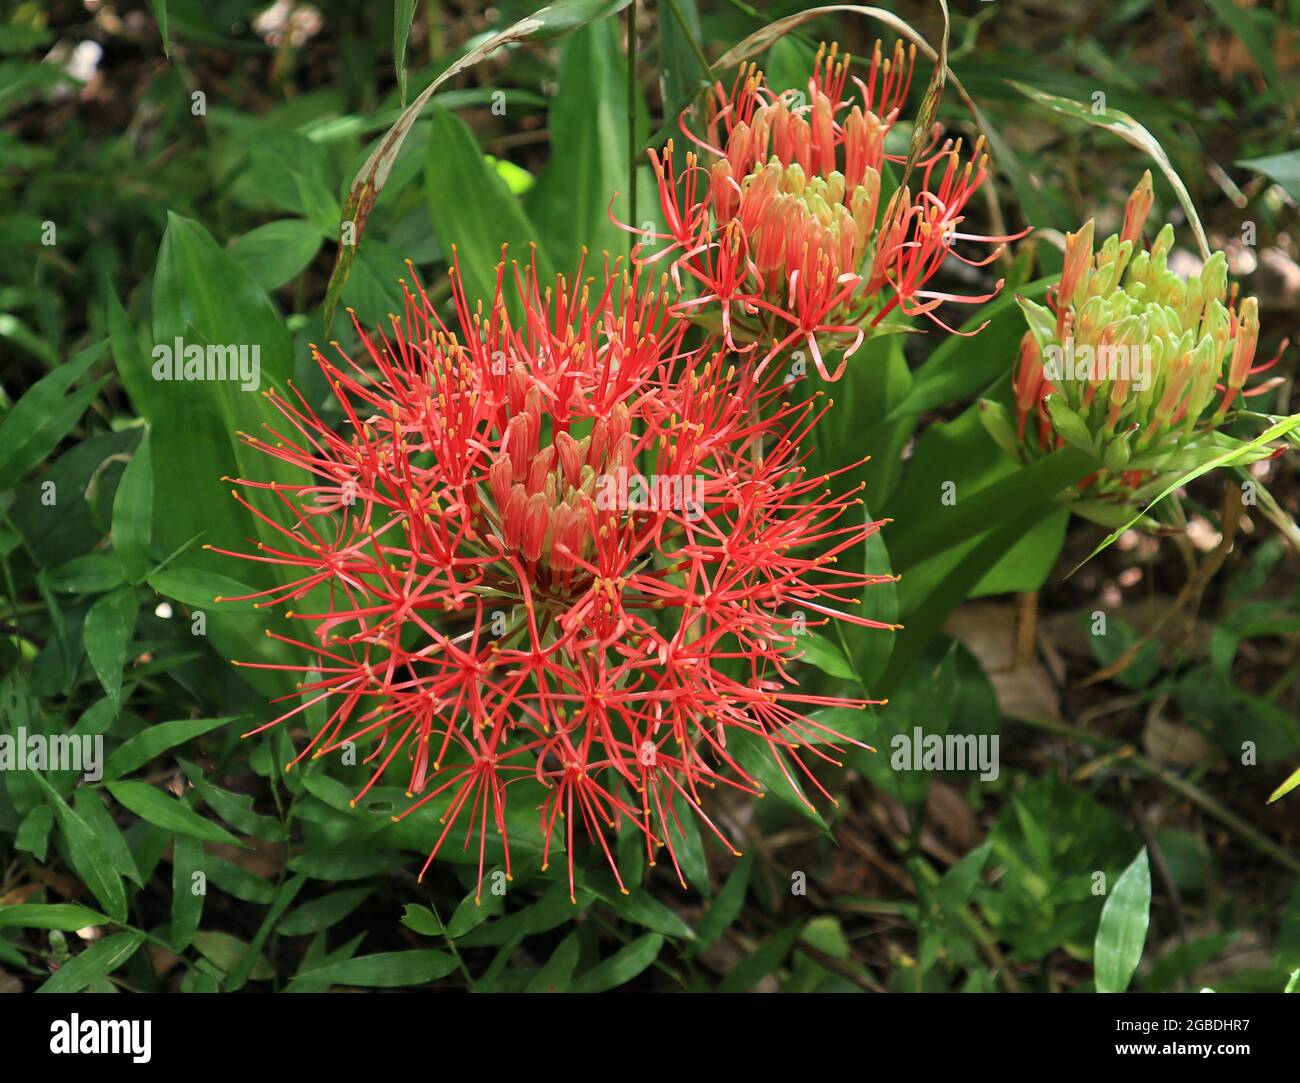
{"x": 782, "y": 227}
{"x": 549, "y": 542}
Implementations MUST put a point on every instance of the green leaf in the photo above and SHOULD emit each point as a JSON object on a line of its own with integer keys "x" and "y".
{"x": 621, "y": 967}
{"x": 133, "y": 513}
{"x": 825, "y": 655}
{"x": 87, "y": 854}
{"x": 683, "y": 69}
{"x": 925, "y": 536}
{"x": 187, "y": 904}
{"x": 200, "y": 589}
{"x": 387, "y": 970}
{"x": 1123, "y": 928}
{"x": 166, "y": 812}
{"x": 589, "y": 149}
{"x": 235, "y": 809}
{"x": 92, "y": 573}
{"x": 1292, "y": 781}
{"x": 43, "y": 416}
{"x": 774, "y": 772}
{"x": 277, "y": 252}
{"x": 94, "y": 964}
{"x": 90, "y": 806}
{"x": 328, "y": 910}
{"x": 759, "y": 964}
{"x": 870, "y": 648}
{"x": 156, "y": 739}
{"x": 67, "y": 917}
{"x": 726, "y": 906}
{"x": 1284, "y": 169}
{"x": 472, "y": 209}
{"x": 470, "y": 914}
{"x": 160, "y": 17}
{"x": 954, "y": 889}
{"x": 252, "y": 961}
{"x": 108, "y": 629}
{"x": 238, "y": 882}
{"x": 403, "y": 14}
{"x": 227, "y": 952}
{"x": 638, "y": 906}
{"x": 132, "y": 364}
{"x": 557, "y": 975}
{"x": 33, "y": 834}
{"x": 422, "y": 920}
{"x": 202, "y": 297}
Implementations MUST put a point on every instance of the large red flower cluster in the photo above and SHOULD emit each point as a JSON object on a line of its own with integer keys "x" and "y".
{"x": 553, "y": 541}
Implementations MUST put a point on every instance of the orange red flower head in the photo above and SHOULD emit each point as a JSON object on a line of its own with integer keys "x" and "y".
{"x": 551, "y": 542}
{"x": 786, "y": 225}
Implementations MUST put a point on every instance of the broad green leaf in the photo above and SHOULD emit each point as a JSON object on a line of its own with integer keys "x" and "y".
{"x": 759, "y": 964}
{"x": 155, "y": 807}
{"x": 1123, "y": 928}
{"x": 870, "y": 648}
{"x": 387, "y": 970}
{"x": 589, "y": 161}
{"x": 87, "y": 854}
{"x": 403, "y": 14}
{"x": 43, "y": 416}
{"x": 277, "y": 252}
{"x": 557, "y": 975}
{"x": 65, "y": 916}
{"x": 92, "y": 573}
{"x": 725, "y": 907}
{"x": 953, "y": 585}
{"x": 683, "y": 67}
{"x": 328, "y": 910}
{"x": 422, "y": 920}
{"x": 915, "y": 540}
{"x": 200, "y": 589}
{"x": 109, "y": 626}
{"x": 133, "y": 514}
{"x": 188, "y": 860}
{"x": 156, "y": 739}
{"x": 1283, "y": 168}
{"x": 621, "y": 967}
{"x": 962, "y": 365}
{"x": 94, "y": 964}
{"x": 227, "y": 952}
{"x": 473, "y": 211}
{"x": 823, "y": 653}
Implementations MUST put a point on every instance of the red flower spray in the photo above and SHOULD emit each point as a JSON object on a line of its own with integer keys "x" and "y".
{"x": 558, "y": 545}
{"x": 785, "y": 234}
